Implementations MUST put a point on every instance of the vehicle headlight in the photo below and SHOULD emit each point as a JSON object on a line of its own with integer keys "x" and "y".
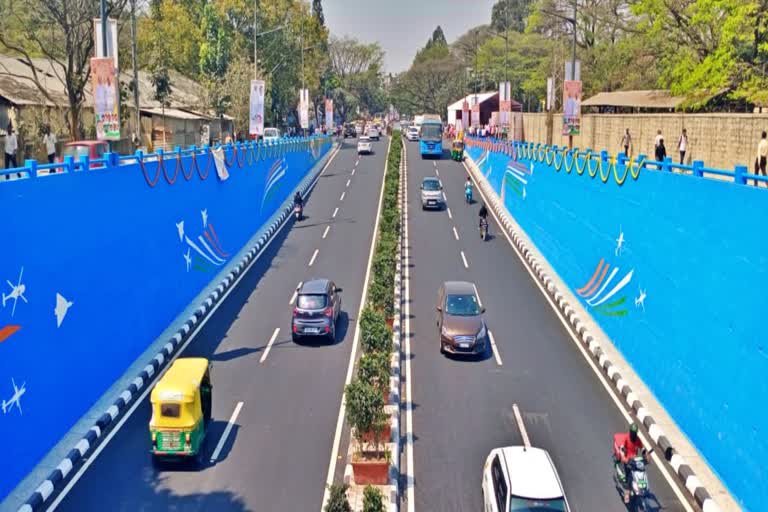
{"x": 483, "y": 332}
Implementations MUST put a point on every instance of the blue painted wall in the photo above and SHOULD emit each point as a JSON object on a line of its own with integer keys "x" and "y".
{"x": 108, "y": 262}
{"x": 690, "y": 257}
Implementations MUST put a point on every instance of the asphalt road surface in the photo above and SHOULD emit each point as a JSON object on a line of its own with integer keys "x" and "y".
{"x": 463, "y": 408}
{"x": 276, "y": 455}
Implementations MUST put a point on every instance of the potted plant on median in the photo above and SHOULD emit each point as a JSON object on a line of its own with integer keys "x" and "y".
{"x": 366, "y": 416}
{"x": 337, "y": 501}
{"x": 373, "y": 500}
{"x": 375, "y": 335}
{"x": 374, "y": 369}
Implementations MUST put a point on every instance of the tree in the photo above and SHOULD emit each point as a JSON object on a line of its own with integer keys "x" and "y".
{"x": 357, "y": 68}
{"x": 373, "y": 499}
{"x": 162, "y": 89}
{"x": 61, "y": 32}
{"x": 337, "y": 499}
{"x": 438, "y": 38}
{"x": 317, "y": 11}
{"x": 510, "y": 15}
{"x": 170, "y": 25}
{"x": 235, "y": 86}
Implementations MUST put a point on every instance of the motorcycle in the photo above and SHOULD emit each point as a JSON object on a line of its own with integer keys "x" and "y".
{"x": 483, "y": 229}
{"x": 468, "y": 195}
{"x": 298, "y": 211}
{"x": 638, "y": 486}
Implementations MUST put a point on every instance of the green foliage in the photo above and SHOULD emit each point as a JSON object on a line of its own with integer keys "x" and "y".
{"x": 373, "y": 500}
{"x": 317, "y": 11}
{"x": 171, "y": 35}
{"x": 356, "y": 69}
{"x": 374, "y": 369}
{"x": 337, "y": 499}
{"x": 161, "y": 83}
{"x": 215, "y": 47}
{"x": 510, "y": 15}
{"x": 365, "y": 409}
{"x": 375, "y": 335}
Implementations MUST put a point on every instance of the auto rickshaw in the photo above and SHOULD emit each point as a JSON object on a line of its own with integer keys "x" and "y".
{"x": 457, "y": 150}
{"x": 181, "y": 411}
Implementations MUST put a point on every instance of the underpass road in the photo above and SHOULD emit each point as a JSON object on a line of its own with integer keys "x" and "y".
{"x": 463, "y": 408}
{"x": 276, "y": 454}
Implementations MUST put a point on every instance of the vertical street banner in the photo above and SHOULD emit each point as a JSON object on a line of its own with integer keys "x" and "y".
{"x": 505, "y": 104}
{"x": 571, "y": 107}
{"x": 476, "y": 115}
{"x": 329, "y": 114}
{"x": 256, "y": 124}
{"x": 111, "y": 50}
{"x": 464, "y": 115}
{"x": 304, "y": 108}
{"x": 550, "y": 93}
{"x": 105, "y": 99}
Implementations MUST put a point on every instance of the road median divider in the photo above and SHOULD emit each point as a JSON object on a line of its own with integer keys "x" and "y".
{"x": 372, "y": 398}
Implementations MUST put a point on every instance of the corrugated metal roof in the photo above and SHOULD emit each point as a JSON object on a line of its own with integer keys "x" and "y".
{"x": 637, "y": 99}
{"x": 173, "y": 112}
{"x": 470, "y": 98}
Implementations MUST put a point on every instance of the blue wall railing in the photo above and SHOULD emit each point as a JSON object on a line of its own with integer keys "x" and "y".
{"x": 97, "y": 262}
{"x": 674, "y": 268}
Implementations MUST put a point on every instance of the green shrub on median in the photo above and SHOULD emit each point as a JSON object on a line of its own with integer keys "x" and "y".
{"x": 374, "y": 369}
{"x": 373, "y": 500}
{"x": 337, "y": 500}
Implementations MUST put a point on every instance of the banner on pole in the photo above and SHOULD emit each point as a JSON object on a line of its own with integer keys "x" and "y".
{"x": 505, "y": 103}
{"x": 304, "y": 108}
{"x": 465, "y": 115}
{"x": 571, "y": 107}
{"x": 329, "y": 114}
{"x": 111, "y": 39}
{"x": 476, "y": 115}
{"x": 550, "y": 93}
{"x": 256, "y": 124}
{"x": 105, "y": 99}
{"x": 569, "y": 70}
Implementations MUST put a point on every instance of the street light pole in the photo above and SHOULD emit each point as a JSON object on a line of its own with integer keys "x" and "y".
{"x": 135, "y": 70}
{"x": 255, "y": 39}
{"x": 573, "y": 64}
{"x": 105, "y": 49}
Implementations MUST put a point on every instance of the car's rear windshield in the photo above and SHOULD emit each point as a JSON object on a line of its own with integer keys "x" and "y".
{"x": 77, "y": 151}
{"x": 431, "y": 185}
{"x": 529, "y": 505}
{"x": 271, "y": 132}
{"x": 462, "y": 305}
{"x": 312, "y": 301}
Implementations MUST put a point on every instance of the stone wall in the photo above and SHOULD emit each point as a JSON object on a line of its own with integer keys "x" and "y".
{"x": 720, "y": 140}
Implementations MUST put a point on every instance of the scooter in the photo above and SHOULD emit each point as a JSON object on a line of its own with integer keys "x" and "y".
{"x": 638, "y": 486}
{"x": 298, "y": 211}
{"x": 483, "y": 229}
{"x": 468, "y": 195}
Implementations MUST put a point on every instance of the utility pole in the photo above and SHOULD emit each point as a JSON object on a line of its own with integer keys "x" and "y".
{"x": 135, "y": 69}
{"x": 106, "y": 49}
{"x": 573, "y": 62}
{"x": 255, "y": 39}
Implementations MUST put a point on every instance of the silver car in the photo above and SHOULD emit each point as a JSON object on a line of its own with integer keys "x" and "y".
{"x": 432, "y": 193}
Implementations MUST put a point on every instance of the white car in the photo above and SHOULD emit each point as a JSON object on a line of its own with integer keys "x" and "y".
{"x": 373, "y": 133}
{"x": 524, "y": 479}
{"x": 364, "y": 145}
{"x": 412, "y": 133}
{"x": 271, "y": 134}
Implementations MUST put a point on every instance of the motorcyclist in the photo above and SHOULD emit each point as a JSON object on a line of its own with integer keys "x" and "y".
{"x": 468, "y": 189}
{"x": 298, "y": 200}
{"x": 483, "y": 214}
{"x": 627, "y": 446}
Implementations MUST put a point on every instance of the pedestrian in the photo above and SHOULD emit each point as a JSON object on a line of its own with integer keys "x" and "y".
{"x": 762, "y": 156}
{"x": 658, "y": 138}
{"x": 661, "y": 151}
{"x": 626, "y": 141}
{"x": 11, "y": 147}
{"x": 682, "y": 145}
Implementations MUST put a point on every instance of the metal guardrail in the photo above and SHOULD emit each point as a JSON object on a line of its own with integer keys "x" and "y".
{"x": 252, "y": 150}
{"x": 594, "y": 162}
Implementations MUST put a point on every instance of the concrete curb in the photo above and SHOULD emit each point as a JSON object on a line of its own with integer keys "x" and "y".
{"x": 391, "y": 490}
{"x": 542, "y": 270}
{"x": 97, "y": 432}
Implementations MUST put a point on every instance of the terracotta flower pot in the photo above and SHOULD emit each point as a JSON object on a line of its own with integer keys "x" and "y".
{"x": 386, "y": 435}
{"x": 391, "y": 323}
{"x": 374, "y": 472}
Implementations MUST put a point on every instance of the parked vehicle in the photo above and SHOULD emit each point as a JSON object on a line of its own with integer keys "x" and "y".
{"x": 517, "y": 478}
{"x": 181, "y": 410}
{"x": 460, "y": 323}
{"x": 318, "y": 304}
{"x": 271, "y": 134}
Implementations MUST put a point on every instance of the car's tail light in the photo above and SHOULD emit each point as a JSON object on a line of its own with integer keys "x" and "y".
{"x": 295, "y": 328}
{"x": 328, "y": 312}
{"x": 327, "y": 328}
{"x": 295, "y": 312}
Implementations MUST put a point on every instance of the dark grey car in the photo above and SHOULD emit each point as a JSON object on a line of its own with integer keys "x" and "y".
{"x": 318, "y": 304}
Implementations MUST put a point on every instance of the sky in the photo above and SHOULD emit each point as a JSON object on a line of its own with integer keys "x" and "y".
{"x": 402, "y": 27}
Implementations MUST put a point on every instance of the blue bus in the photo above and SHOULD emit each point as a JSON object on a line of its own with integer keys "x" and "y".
{"x": 431, "y": 138}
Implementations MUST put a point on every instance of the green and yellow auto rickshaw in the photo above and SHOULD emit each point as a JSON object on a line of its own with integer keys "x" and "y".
{"x": 181, "y": 411}
{"x": 457, "y": 150}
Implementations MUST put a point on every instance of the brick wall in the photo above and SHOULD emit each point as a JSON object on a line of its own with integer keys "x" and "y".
{"x": 720, "y": 140}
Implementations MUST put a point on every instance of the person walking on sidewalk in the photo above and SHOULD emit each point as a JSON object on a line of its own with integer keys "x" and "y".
{"x": 49, "y": 141}
{"x": 661, "y": 150}
{"x": 682, "y": 146}
{"x": 762, "y": 157}
{"x": 626, "y": 142}
{"x": 11, "y": 147}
